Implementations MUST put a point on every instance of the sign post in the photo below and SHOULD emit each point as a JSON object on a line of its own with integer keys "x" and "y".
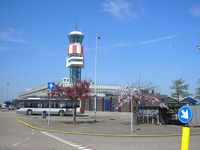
{"x": 132, "y": 91}
{"x": 51, "y": 86}
{"x": 185, "y": 114}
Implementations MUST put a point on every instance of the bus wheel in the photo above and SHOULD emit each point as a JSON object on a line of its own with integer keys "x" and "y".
{"x": 61, "y": 113}
{"x": 29, "y": 112}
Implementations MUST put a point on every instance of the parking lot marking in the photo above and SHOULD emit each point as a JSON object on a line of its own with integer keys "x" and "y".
{"x": 102, "y": 134}
{"x": 18, "y": 143}
{"x": 78, "y": 146}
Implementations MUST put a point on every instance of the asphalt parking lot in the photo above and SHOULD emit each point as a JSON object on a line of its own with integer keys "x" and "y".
{"x": 107, "y": 123}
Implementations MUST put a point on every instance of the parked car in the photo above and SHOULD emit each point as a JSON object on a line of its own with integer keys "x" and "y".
{"x": 11, "y": 107}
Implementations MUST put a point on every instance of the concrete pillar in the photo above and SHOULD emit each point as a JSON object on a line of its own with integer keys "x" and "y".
{"x": 110, "y": 104}
{"x": 89, "y": 105}
{"x": 103, "y": 104}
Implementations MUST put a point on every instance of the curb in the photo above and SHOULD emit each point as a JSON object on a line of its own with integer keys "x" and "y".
{"x": 101, "y": 134}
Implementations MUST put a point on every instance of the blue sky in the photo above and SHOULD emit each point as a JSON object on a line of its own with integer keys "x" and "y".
{"x": 154, "y": 39}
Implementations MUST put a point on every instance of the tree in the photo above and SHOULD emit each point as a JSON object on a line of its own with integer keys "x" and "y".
{"x": 58, "y": 92}
{"x": 180, "y": 89}
{"x": 78, "y": 90}
{"x": 138, "y": 97}
{"x": 7, "y": 102}
{"x": 197, "y": 91}
{"x": 14, "y": 103}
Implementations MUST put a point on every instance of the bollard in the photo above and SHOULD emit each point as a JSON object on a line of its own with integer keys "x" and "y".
{"x": 185, "y": 138}
{"x": 44, "y": 114}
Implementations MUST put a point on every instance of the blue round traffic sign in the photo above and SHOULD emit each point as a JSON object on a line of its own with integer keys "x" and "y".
{"x": 185, "y": 114}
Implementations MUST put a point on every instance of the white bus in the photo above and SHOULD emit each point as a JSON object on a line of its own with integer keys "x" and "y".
{"x": 41, "y": 106}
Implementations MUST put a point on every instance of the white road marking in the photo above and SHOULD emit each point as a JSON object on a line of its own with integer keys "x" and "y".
{"x": 27, "y": 138}
{"x": 16, "y": 144}
{"x": 75, "y": 145}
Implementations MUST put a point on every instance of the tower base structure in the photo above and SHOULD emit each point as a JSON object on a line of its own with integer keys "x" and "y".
{"x": 75, "y": 74}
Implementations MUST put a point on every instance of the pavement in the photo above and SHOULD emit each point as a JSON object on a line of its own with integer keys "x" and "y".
{"x": 111, "y": 123}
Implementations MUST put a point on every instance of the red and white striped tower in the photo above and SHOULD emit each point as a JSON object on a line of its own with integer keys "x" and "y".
{"x": 75, "y": 59}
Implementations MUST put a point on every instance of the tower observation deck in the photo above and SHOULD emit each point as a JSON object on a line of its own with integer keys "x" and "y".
{"x": 75, "y": 59}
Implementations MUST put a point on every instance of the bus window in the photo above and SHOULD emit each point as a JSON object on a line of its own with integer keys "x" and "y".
{"x": 78, "y": 103}
{"x": 21, "y": 104}
{"x": 69, "y": 104}
{"x": 29, "y": 104}
{"x": 39, "y": 105}
{"x": 62, "y": 105}
{"x": 45, "y": 104}
{"x": 53, "y": 104}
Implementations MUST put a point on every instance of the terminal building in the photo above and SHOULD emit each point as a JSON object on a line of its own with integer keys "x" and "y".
{"x": 106, "y": 99}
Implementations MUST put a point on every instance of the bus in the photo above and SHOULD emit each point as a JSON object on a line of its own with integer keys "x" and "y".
{"x": 41, "y": 106}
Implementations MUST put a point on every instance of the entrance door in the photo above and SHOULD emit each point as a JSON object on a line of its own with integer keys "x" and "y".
{"x": 107, "y": 106}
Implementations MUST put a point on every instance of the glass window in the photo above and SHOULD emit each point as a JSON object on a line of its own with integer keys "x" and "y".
{"x": 39, "y": 105}
{"x": 35, "y": 104}
{"x": 78, "y": 103}
{"x": 76, "y": 38}
{"x": 21, "y": 104}
{"x": 69, "y": 104}
{"x": 62, "y": 105}
{"x": 29, "y": 104}
{"x": 45, "y": 104}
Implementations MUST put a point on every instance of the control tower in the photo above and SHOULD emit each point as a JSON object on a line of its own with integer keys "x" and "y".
{"x": 75, "y": 59}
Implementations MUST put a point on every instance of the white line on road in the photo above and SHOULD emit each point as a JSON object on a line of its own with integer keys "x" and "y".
{"x": 16, "y": 144}
{"x": 27, "y": 138}
{"x": 75, "y": 145}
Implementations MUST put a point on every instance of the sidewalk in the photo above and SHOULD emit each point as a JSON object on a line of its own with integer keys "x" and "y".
{"x": 107, "y": 123}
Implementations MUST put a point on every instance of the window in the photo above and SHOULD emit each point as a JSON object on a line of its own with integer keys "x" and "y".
{"x": 21, "y": 104}
{"x": 29, "y": 104}
{"x": 45, "y": 104}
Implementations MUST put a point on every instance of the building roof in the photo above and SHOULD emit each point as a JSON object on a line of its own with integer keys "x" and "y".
{"x": 76, "y": 32}
{"x": 189, "y": 100}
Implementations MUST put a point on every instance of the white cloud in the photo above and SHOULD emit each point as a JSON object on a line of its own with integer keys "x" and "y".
{"x": 195, "y": 11}
{"x": 158, "y": 39}
{"x": 128, "y": 44}
{"x": 116, "y": 45}
{"x": 11, "y": 35}
{"x": 120, "y": 9}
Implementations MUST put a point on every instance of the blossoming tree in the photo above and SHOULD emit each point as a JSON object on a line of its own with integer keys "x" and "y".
{"x": 78, "y": 90}
{"x": 138, "y": 97}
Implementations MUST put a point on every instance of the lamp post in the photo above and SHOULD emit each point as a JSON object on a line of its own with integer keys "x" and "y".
{"x": 95, "y": 82}
{"x": 199, "y": 47}
{"x": 8, "y": 91}
{"x": 1, "y": 95}
{"x": 132, "y": 92}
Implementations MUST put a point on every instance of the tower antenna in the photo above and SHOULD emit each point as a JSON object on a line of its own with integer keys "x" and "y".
{"x": 75, "y": 26}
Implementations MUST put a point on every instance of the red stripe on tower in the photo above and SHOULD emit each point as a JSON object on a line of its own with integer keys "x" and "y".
{"x": 81, "y": 50}
{"x": 74, "y": 49}
{"x": 68, "y": 50}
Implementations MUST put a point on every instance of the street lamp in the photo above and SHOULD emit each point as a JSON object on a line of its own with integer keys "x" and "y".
{"x": 199, "y": 47}
{"x": 1, "y": 95}
{"x": 8, "y": 91}
{"x": 95, "y": 89}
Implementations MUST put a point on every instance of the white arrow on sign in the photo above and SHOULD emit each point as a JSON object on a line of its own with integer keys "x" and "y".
{"x": 51, "y": 85}
{"x": 185, "y": 114}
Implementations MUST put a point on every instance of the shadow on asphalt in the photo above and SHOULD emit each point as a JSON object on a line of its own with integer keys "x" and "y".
{"x": 80, "y": 122}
